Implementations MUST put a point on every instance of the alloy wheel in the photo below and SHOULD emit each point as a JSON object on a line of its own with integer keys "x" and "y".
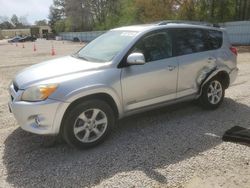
{"x": 90, "y": 125}
{"x": 215, "y": 92}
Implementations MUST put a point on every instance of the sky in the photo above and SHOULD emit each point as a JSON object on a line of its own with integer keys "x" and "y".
{"x": 32, "y": 9}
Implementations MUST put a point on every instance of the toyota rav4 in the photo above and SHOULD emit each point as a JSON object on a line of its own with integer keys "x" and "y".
{"x": 124, "y": 71}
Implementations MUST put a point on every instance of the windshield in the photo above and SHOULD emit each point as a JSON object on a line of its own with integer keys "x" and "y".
{"x": 107, "y": 46}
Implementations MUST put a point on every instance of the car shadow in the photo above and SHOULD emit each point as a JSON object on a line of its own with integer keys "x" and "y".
{"x": 143, "y": 142}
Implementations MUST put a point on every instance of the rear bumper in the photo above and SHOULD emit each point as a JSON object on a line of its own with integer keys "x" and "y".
{"x": 233, "y": 75}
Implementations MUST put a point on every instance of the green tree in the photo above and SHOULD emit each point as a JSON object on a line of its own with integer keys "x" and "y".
{"x": 6, "y": 25}
{"x": 85, "y": 15}
{"x": 68, "y": 24}
{"x": 56, "y": 13}
{"x": 187, "y": 10}
{"x": 59, "y": 26}
{"x": 41, "y": 22}
{"x": 15, "y": 21}
{"x": 129, "y": 13}
{"x": 154, "y": 10}
{"x": 20, "y": 22}
{"x": 242, "y": 9}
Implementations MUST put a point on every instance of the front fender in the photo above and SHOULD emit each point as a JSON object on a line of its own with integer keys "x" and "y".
{"x": 84, "y": 92}
{"x": 96, "y": 89}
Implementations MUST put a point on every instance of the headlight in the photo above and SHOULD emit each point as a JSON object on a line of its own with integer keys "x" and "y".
{"x": 38, "y": 93}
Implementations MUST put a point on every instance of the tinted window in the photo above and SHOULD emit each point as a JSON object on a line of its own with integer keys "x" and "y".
{"x": 189, "y": 41}
{"x": 155, "y": 47}
{"x": 214, "y": 39}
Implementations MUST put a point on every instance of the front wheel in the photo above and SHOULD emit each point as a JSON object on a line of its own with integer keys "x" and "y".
{"x": 212, "y": 94}
{"x": 88, "y": 123}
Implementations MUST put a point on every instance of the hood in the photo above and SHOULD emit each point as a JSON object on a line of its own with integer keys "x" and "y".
{"x": 52, "y": 69}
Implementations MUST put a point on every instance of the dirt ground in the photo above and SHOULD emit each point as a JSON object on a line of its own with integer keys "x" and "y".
{"x": 243, "y": 49}
{"x": 176, "y": 146}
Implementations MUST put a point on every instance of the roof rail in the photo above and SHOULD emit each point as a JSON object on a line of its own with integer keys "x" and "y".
{"x": 165, "y": 22}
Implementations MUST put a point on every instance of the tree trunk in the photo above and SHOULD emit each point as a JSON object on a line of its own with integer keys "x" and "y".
{"x": 236, "y": 14}
{"x": 222, "y": 8}
{"x": 212, "y": 10}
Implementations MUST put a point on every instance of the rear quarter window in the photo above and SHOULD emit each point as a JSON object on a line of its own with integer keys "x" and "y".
{"x": 188, "y": 41}
{"x": 214, "y": 39}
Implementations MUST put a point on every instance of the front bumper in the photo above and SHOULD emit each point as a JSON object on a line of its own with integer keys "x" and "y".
{"x": 35, "y": 117}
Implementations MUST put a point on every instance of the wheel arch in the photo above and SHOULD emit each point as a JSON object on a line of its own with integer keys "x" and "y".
{"x": 224, "y": 77}
{"x": 222, "y": 74}
{"x": 101, "y": 96}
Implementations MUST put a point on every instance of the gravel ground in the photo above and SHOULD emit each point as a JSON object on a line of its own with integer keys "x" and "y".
{"x": 175, "y": 146}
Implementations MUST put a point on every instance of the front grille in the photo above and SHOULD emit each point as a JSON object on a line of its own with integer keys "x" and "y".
{"x": 15, "y": 86}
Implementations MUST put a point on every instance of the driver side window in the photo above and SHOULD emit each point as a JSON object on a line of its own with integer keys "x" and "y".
{"x": 155, "y": 47}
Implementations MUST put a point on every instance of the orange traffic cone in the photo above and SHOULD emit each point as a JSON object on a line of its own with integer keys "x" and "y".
{"x": 34, "y": 47}
{"x": 53, "y": 50}
{"x": 23, "y": 46}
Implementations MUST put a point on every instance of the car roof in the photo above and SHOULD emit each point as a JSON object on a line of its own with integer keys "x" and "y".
{"x": 161, "y": 25}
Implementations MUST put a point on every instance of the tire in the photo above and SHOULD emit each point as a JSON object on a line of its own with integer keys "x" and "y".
{"x": 211, "y": 99}
{"x": 88, "y": 123}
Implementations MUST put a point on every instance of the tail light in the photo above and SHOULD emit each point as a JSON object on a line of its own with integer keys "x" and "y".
{"x": 234, "y": 50}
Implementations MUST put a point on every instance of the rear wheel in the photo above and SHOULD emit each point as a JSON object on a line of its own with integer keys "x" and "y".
{"x": 212, "y": 94}
{"x": 88, "y": 123}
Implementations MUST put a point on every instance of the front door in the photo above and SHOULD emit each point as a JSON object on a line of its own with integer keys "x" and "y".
{"x": 154, "y": 82}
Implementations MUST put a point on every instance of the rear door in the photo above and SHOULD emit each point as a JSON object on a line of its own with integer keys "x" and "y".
{"x": 193, "y": 57}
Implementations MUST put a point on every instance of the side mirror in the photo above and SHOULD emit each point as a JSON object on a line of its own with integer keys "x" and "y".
{"x": 136, "y": 59}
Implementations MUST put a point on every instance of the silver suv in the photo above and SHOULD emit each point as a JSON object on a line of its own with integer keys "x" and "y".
{"x": 125, "y": 71}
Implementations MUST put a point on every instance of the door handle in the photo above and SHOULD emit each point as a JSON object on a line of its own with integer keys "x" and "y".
{"x": 170, "y": 67}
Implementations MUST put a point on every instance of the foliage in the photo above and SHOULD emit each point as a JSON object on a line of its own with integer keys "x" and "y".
{"x": 41, "y": 22}
{"x": 154, "y": 10}
{"x": 57, "y": 13}
{"x": 60, "y": 26}
{"x": 14, "y": 22}
{"x": 85, "y": 15}
{"x": 6, "y": 25}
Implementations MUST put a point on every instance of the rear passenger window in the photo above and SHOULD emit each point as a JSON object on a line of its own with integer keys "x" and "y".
{"x": 155, "y": 47}
{"x": 213, "y": 39}
{"x": 189, "y": 41}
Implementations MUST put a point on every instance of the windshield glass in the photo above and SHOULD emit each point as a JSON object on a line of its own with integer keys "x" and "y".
{"x": 107, "y": 46}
